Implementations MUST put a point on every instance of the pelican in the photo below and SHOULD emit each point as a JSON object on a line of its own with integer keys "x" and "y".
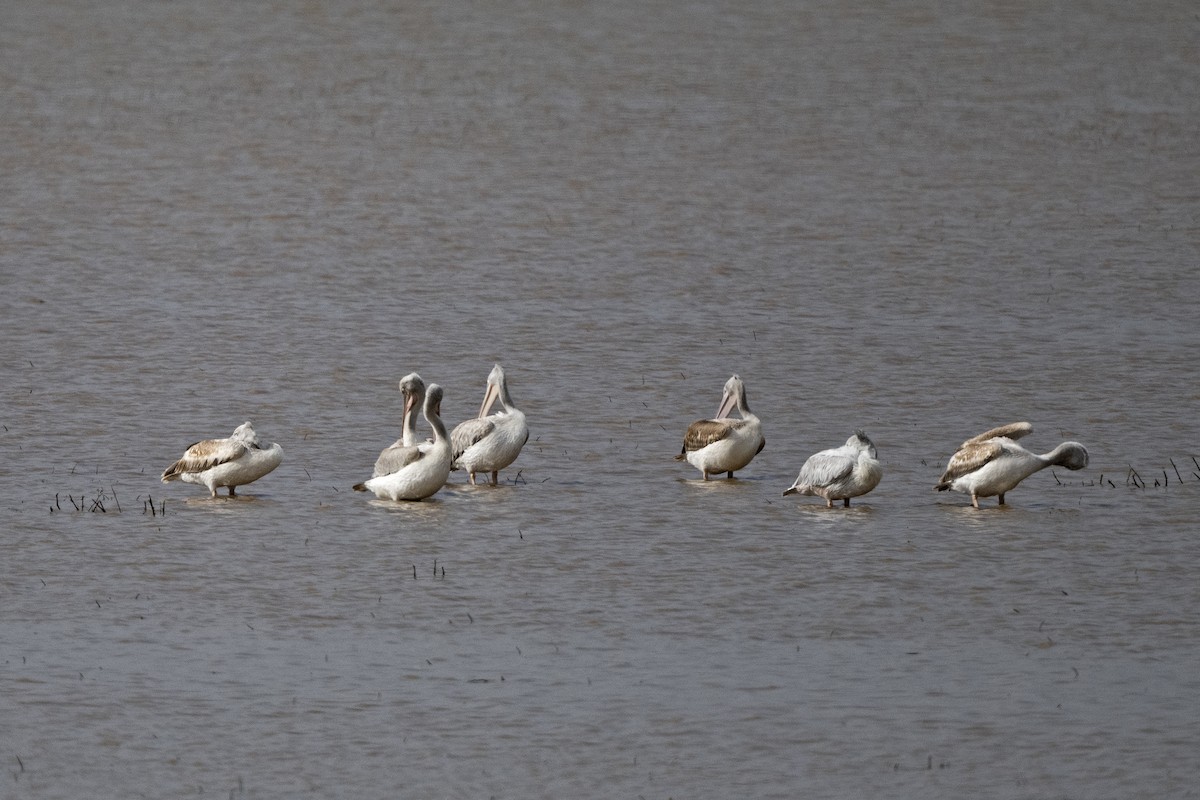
{"x": 393, "y": 456}
{"x": 426, "y": 466}
{"x": 724, "y": 444}
{"x": 992, "y": 463}
{"x": 490, "y": 443}
{"x": 840, "y": 473}
{"x": 231, "y": 462}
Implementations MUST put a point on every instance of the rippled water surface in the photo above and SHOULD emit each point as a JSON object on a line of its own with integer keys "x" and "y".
{"x": 922, "y": 220}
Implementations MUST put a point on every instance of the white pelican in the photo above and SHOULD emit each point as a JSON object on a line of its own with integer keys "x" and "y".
{"x": 840, "y": 473}
{"x": 231, "y": 462}
{"x": 992, "y": 463}
{"x": 393, "y": 456}
{"x": 427, "y": 465}
{"x": 490, "y": 443}
{"x": 724, "y": 444}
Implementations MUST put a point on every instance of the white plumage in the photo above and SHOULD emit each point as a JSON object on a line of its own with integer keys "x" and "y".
{"x": 394, "y": 456}
{"x": 843, "y": 472}
{"x": 490, "y": 443}
{"x": 231, "y": 462}
{"x": 423, "y": 468}
{"x": 724, "y": 444}
{"x": 992, "y": 463}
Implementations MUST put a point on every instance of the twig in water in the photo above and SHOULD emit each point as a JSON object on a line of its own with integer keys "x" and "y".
{"x": 1135, "y": 478}
{"x": 1177, "y": 475}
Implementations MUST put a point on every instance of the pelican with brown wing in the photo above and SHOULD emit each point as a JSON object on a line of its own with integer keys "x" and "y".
{"x": 992, "y": 463}
{"x": 231, "y": 462}
{"x": 724, "y": 444}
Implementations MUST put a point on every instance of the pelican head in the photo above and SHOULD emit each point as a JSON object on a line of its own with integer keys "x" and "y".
{"x": 860, "y": 441}
{"x": 413, "y": 389}
{"x": 733, "y": 396}
{"x": 245, "y": 434}
{"x": 433, "y": 401}
{"x": 1071, "y": 455}
{"x": 495, "y": 387}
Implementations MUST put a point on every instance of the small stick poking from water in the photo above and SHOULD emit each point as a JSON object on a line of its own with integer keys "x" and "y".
{"x": 1177, "y": 475}
{"x": 1135, "y": 477}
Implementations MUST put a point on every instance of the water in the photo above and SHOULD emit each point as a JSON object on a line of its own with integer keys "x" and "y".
{"x": 921, "y": 221}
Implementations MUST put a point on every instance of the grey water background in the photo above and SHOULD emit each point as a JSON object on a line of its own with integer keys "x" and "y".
{"x": 921, "y": 219}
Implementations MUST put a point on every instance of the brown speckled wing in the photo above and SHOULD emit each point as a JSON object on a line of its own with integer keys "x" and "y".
{"x": 205, "y": 455}
{"x": 970, "y": 457}
{"x": 1013, "y": 430}
{"x": 704, "y": 432}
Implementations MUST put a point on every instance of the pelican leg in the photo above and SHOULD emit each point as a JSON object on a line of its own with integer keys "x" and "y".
{"x": 829, "y": 502}
{"x": 847, "y": 502}
{"x": 495, "y": 477}
{"x": 705, "y": 474}
{"x": 472, "y": 474}
{"x": 231, "y": 492}
{"x": 974, "y": 499}
{"x": 1002, "y": 498}
{"x": 729, "y": 475}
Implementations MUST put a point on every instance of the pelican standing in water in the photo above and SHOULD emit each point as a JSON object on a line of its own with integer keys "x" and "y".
{"x": 231, "y": 462}
{"x": 393, "y": 456}
{"x": 724, "y": 444}
{"x": 992, "y": 463}
{"x": 490, "y": 443}
{"x": 426, "y": 466}
{"x": 843, "y": 472}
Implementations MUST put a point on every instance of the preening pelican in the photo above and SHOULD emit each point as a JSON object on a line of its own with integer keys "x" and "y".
{"x": 490, "y": 443}
{"x": 393, "y": 456}
{"x": 840, "y": 473}
{"x": 723, "y": 444}
{"x": 231, "y": 462}
{"x": 992, "y": 463}
{"x": 426, "y": 466}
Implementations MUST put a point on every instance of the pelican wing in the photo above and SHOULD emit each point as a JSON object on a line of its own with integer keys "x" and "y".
{"x": 826, "y": 468}
{"x": 703, "y": 432}
{"x": 396, "y": 458}
{"x": 970, "y": 457}
{"x": 205, "y": 455}
{"x": 468, "y": 433}
{"x": 1013, "y": 430}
